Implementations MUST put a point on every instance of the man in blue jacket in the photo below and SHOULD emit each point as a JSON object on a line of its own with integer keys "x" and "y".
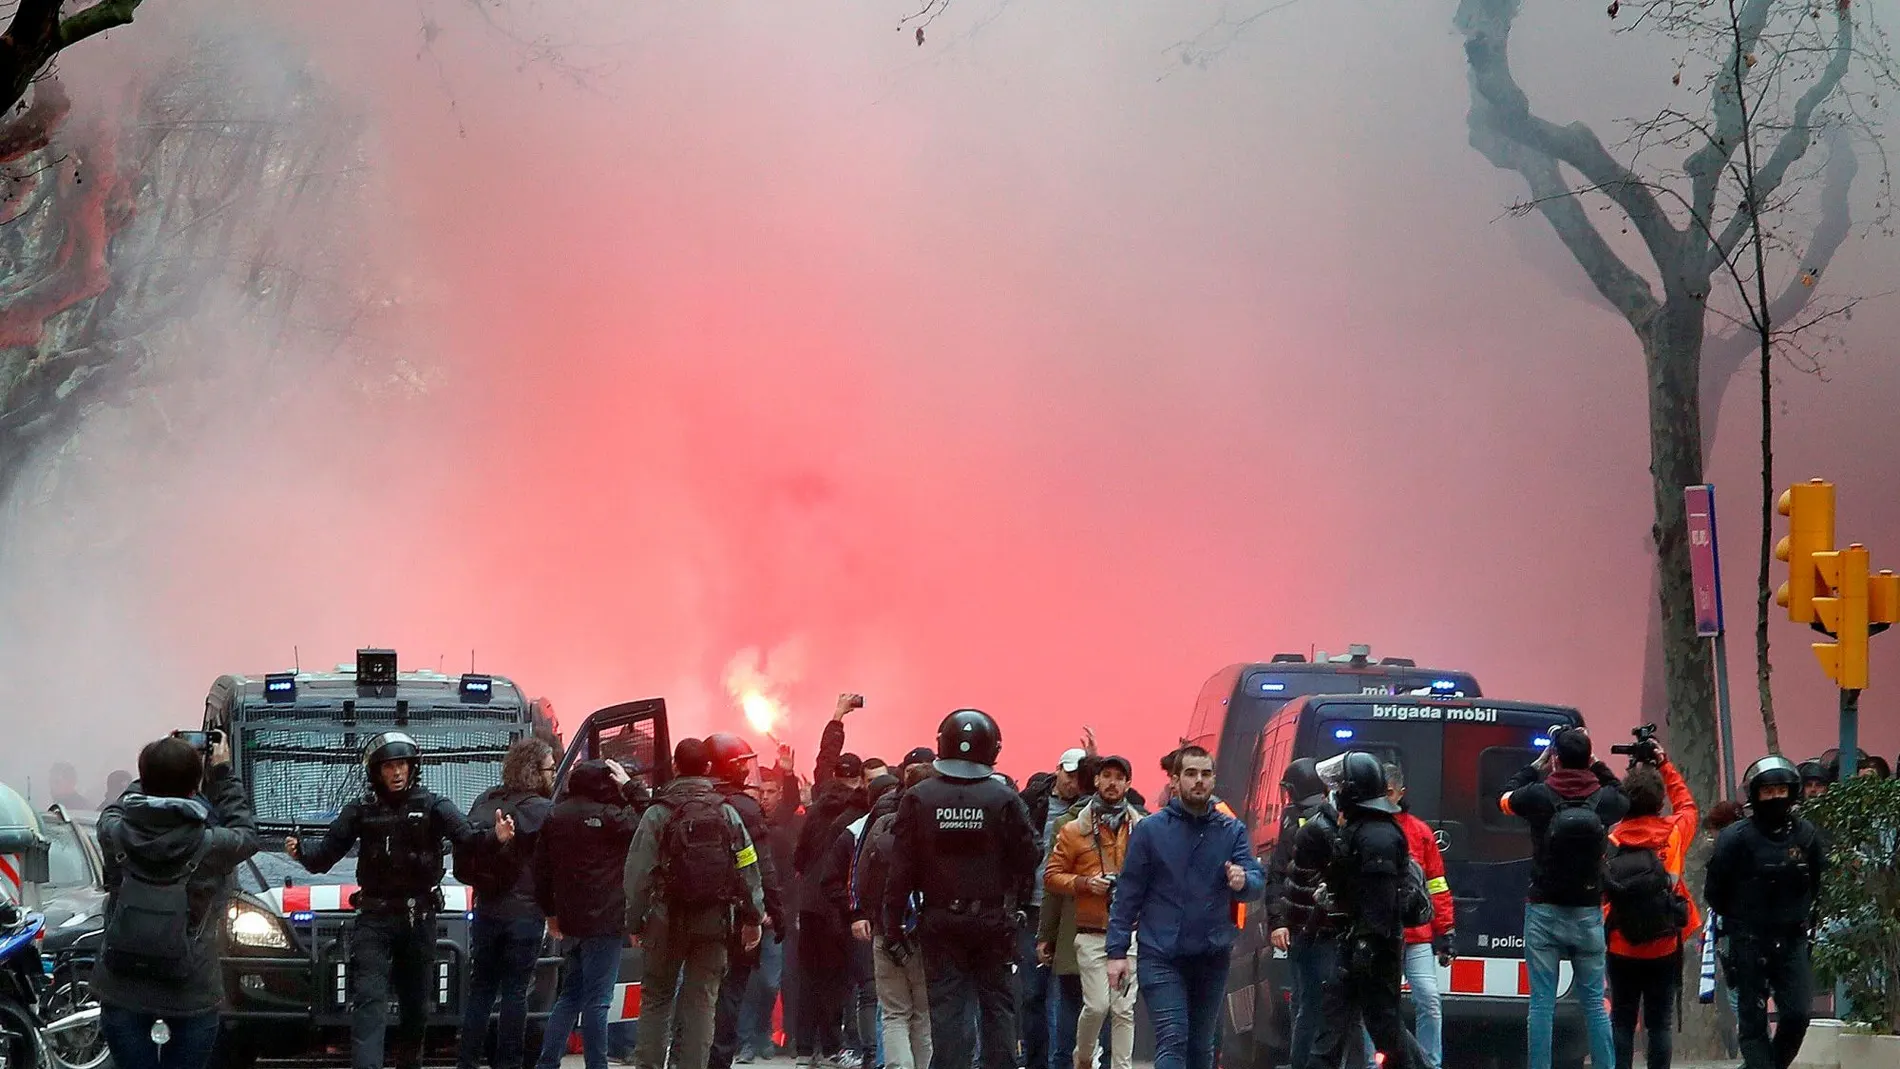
{"x": 1187, "y": 867}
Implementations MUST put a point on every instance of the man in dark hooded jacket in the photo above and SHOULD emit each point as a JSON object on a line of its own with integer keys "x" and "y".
{"x": 1291, "y": 916}
{"x": 1570, "y": 800}
{"x": 579, "y": 881}
{"x": 157, "y": 832}
{"x": 824, "y": 938}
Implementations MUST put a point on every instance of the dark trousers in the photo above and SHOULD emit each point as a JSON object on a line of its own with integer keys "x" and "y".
{"x": 732, "y": 991}
{"x": 1185, "y": 997}
{"x": 502, "y": 953}
{"x": 390, "y": 954}
{"x": 971, "y": 994}
{"x": 1363, "y": 993}
{"x": 823, "y": 975}
{"x": 1648, "y": 985}
{"x": 1032, "y": 995}
{"x": 1314, "y": 959}
{"x": 1759, "y": 967}
{"x": 128, "y": 1035}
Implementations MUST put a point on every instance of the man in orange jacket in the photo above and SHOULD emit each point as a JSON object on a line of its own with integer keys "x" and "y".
{"x": 1648, "y": 911}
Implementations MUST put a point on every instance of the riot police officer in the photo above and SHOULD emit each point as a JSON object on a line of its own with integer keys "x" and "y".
{"x": 1363, "y": 865}
{"x": 963, "y": 844}
{"x": 401, "y": 826}
{"x": 1764, "y": 883}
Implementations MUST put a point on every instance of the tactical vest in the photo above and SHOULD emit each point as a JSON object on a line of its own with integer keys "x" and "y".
{"x": 400, "y": 849}
{"x": 960, "y": 857}
{"x": 1776, "y": 892}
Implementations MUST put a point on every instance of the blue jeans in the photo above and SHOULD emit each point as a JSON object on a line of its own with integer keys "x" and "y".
{"x": 1553, "y": 934}
{"x": 128, "y": 1035}
{"x": 755, "y": 1017}
{"x": 589, "y": 969}
{"x": 502, "y": 954}
{"x": 1185, "y": 997}
{"x": 1065, "y": 1005}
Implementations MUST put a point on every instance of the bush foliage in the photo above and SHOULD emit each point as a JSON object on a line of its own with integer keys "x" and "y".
{"x": 1859, "y": 941}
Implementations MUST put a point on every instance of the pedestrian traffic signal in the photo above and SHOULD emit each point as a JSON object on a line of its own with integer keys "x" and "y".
{"x": 1844, "y": 613}
{"x": 1809, "y": 507}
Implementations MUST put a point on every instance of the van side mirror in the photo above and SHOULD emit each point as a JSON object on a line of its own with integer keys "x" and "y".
{"x": 38, "y": 865}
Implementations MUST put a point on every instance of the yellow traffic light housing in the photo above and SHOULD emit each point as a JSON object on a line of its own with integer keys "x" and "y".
{"x": 1883, "y": 600}
{"x": 1809, "y": 507}
{"x": 1844, "y": 613}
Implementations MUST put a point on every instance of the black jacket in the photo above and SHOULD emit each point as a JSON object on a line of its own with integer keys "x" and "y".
{"x": 581, "y": 856}
{"x": 835, "y": 806}
{"x": 1766, "y": 882}
{"x": 753, "y": 815}
{"x": 160, "y": 835}
{"x": 510, "y": 895}
{"x": 783, "y": 828}
{"x": 1535, "y": 796}
{"x": 1290, "y": 885}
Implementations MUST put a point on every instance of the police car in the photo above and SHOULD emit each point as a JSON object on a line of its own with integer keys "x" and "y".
{"x": 296, "y": 742}
{"x": 1458, "y": 751}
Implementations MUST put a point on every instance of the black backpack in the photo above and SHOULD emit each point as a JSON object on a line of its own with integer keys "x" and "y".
{"x": 148, "y": 931}
{"x": 1415, "y": 902}
{"x": 1573, "y": 846}
{"x": 1644, "y": 904}
{"x": 699, "y": 847}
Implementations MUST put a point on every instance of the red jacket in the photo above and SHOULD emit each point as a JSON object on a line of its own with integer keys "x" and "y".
{"x": 1670, "y": 837}
{"x": 1423, "y": 846}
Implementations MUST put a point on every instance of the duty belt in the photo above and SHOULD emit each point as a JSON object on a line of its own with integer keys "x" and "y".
{"x": 412, "y": 907}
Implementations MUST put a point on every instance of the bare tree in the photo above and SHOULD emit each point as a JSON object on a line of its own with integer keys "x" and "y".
{"x": 39, "y": 31}
{"x": 1777, "y": 77}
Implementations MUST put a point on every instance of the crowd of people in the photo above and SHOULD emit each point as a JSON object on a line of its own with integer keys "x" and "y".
{"x": 933, "y": 914}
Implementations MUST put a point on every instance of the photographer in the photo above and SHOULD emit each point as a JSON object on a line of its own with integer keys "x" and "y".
{"x": 1647, "y": 909}
{"x": 166, "y": 868}
{"x": 1570, "y": 799}
{"x": 1086, "y": 862}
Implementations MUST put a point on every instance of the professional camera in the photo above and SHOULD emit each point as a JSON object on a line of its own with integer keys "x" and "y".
{"x": 1643, "y": 750}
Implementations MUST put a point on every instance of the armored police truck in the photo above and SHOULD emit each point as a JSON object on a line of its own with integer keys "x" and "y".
{"x": 1457, "y": 754}
{"x": 296, "y": 742}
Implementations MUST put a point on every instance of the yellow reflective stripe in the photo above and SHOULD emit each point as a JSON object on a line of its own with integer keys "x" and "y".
{"x": 1437, "y": 885}
{"x": 747, "y": 857}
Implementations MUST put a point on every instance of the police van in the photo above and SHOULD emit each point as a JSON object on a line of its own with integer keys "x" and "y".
{"x": 1458, "y": 752}
{"x": 297, "y": 740}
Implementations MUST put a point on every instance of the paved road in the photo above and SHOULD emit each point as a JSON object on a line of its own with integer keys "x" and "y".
{"x": 574, "y": 1062}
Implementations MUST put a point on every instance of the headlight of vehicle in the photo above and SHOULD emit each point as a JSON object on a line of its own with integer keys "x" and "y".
{"x": 252, "y": 927}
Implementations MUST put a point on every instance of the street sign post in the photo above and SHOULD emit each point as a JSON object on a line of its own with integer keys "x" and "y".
{"x": 1705, "y": 568}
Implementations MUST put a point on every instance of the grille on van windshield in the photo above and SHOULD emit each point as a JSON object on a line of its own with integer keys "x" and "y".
{"x": 298, "y": 776}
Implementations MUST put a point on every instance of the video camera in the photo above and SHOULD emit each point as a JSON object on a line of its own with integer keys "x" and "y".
{"x": 1643, "y": 750}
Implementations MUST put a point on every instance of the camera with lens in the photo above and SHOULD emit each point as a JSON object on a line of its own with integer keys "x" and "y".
{"x": 1643, "y": 750}
{"x": 1112, "y": 878}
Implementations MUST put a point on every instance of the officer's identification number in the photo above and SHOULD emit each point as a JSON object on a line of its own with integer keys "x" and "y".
{"x": 959, "y": 818}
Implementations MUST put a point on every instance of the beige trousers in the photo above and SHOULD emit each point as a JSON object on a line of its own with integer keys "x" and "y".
{"x": 1099, "y": 1003}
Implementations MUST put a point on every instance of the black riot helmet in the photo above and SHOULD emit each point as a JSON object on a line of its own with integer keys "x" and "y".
{"x": 1360, "y": 780}
{"x": 967, "y": 744}
{"x": 391, "y": 746}
{"x": 1813, "y": 771}
{"x": 1770, "y": 770}
{"x": 1302, "y": 783}
{"x": 731, "y": 758}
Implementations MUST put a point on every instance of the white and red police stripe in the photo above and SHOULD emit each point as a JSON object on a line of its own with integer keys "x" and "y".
{"x": 1494, "y": 978}
{"x": 10, "y": 877}
{"x": 335, "y": 898}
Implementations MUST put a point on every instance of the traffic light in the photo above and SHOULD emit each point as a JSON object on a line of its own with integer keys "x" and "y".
{"x": 1809, "y": 507}
{"x": 1843, "y": 611}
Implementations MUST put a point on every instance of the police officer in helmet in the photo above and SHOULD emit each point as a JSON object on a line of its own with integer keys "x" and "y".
{"x": 1363, "y": 864}
{"x": 732, "y": 763}
{"x": 1764, "y": 882}
{"x": 401, "y": 827}
{"x": 964, "y": 847}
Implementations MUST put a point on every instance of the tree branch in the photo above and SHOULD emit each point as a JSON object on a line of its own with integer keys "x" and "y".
{"x": 33, "y": 129}
{"x": 98, "y": 18}
{"x": 1706, "y": 164}
{"x": 1486, "y": 25}
{"x": 1798, "y": 136}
